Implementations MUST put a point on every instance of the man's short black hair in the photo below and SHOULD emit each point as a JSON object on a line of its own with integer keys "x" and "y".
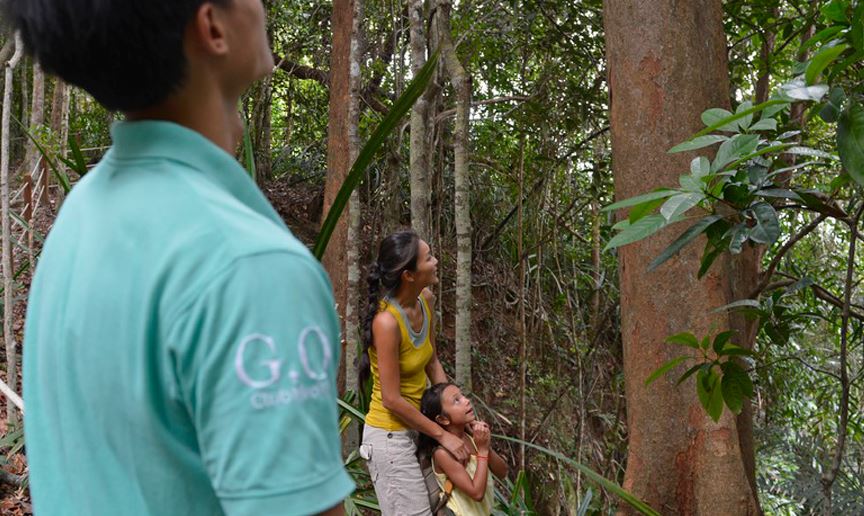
{"x": 128, "y": 54}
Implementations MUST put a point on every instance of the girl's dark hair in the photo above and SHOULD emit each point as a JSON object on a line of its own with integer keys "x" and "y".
{"x": 396, "y": 254}
{"x": 431, "y": 407}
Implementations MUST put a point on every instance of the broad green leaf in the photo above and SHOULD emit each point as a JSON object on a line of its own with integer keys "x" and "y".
{"x": 744, "y": 123}
{"x": 702, "y": 391}
{"x": 686, "y": 237}
{"x": 640, "y": 229}
{"x": 715, "y": 403}
{"x": 639, "y": 199}
{"x": 698, "y": 143}
{"x": 644, "y": 209}
{"x": 708, "y": 258}
{"x": 732, "y": 394}
{"x": 691, "y": 184}
{"x": 706, "y": 342}
{"x": 821, "y": 60}
{"x": 725, "y": 120}
{"x": 835, "y": 10}
{"x": 684, "y": 339}
{"x": 779, "y": 193}
{"x": 807, "y": 151}
{"x": 766, "y": 124}
{"x": 856, "y": 31}
{"x": 688, "y": 374}
{"x": 767, "y": 229}
{"x": 771, "y": 107}
{"x": 358, "y": 170}
{"x": 822, "y": 35}
{"x": 721, "y": 340}
{"x": 736, "y": 147}
{"x": 850, "y": 141}
{"x": 797, "y": 90}
{"x": 678, "y": 205}
{"x": 732, "y": 350}
{"x": 601, "y": 481}
{"x": 844, "y": 64}
{"x": 738, "y": 235}
{"x": 700, "y": 167}
{"x": 660, "y": 371}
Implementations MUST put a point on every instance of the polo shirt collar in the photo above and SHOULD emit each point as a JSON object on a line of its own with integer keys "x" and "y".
{"x": 167, "y": 140}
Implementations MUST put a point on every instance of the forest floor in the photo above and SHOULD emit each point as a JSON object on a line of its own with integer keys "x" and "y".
{"x": 495, "y": 381}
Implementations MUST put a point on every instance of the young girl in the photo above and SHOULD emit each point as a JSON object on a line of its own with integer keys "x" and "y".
{"x": 473, "y": 487}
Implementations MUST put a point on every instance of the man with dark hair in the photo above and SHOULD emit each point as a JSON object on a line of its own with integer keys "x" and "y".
{"x": 181, "y": 345}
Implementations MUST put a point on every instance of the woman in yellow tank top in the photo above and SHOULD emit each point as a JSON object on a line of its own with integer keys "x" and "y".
{"x": 399, "y": 354}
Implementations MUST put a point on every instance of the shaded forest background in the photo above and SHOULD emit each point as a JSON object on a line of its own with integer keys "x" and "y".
{"x": 537, "y": 333}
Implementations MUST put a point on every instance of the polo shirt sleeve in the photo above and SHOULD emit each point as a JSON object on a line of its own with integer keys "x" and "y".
{"x": 255, "y": 358}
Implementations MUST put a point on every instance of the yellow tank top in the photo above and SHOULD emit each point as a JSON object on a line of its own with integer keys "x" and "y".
{"x": 460, "y": 503}
{"x": 415, "y": 351}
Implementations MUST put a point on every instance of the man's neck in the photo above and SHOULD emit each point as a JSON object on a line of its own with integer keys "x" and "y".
{"x": 214, "y": 117}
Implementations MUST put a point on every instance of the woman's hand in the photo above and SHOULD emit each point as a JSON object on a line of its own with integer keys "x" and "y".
{"x": 455, "y": 445}
{"x": 482, "y": 436}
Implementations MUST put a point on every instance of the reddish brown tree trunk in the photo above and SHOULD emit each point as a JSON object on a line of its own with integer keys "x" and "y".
{"x": 667, "y": 64}
{"x": 335, "y": 259}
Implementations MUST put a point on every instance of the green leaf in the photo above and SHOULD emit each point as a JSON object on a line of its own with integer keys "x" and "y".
{"x": 688, "y": 374}
{"x": 641, "y": 210}
{"x": 733, "y": 350}
{"x": 660, "y": 371}
{"x": 640, "y": 229}
{"x": 744, "y": 122}
{"x": 79, "y": 166}
{"x": 61, "y": 176}
{"x": 767, "y": 229}
{"x": 850, "y": 141}
{"x": 822, "y": 35}
{"x": 678, "y": 205}
{"x": 797, "y": 90}
{"x": 661, "y": 193}
{"x": 771, "y": 107}
{"x": 698, "y": 143}
{"x": 808, "y": 151}
{"x": 686, "y": 237}
{"x": 700, "y": 167}
{"x": 400, "y": 108}
{"x": 738, "y": 235}
{"x": 706, "y": 343}
{"x": 736, "y": 385}
{"x": 736, "y": 147}
{"x": 708, "y": 259}
{"x": 702, "y": 391}
{"x": 684, "y": 339}
{"x": 835, "y": 10}
{"x": 715, "y": 403}
{"x": 249, "y": 153}
{"x": 766, "y": 124}
{"x": 821, "y": 60}
{"x": 604, "y": 483}
{"x": 724, "y": 120}
{"x": 779, "y": 193}
{"x": 721, "y": 340}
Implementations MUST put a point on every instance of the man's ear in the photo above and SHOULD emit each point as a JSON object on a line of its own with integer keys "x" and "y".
{"x": 209, "y": 29}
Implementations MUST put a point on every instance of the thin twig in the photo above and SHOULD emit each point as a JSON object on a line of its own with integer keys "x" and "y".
{"x": 769, "y": 272}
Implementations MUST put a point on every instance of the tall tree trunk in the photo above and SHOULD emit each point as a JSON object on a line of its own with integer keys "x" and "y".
{"x": 33, "y": 159}
{"x": 421, "y": 215}
{"x": 261, "y": 119}
{"x": 352, "y": 309}
{"x": 59, "y": 128}
{"x": 461, "y": 149}
{"x": 338, "y": 163}
{"x": 667, "y": 64}
{"x": 8, "y": 283}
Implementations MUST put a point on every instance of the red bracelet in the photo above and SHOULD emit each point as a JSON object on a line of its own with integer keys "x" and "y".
{"x": 484, "y": 457}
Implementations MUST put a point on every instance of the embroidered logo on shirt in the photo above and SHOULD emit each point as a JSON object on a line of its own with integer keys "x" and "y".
{"x": 259, "y": 365}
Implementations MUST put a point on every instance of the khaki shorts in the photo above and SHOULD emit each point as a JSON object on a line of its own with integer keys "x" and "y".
{"x": 392, "y": 460}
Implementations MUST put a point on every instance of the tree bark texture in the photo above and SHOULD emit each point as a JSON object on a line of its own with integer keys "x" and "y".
{"x": 352, "y": 308}
{"x": 667, "y": 64}
{"x": 420, "y": 176}
{"x": 461, "y": 82}
{"x": 8, "y": 271}
{"x": 35, "y": 178}
{"x": 335, "y": 259}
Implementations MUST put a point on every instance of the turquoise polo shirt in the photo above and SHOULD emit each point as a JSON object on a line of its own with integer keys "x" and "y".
{"x": 180, "y": 346}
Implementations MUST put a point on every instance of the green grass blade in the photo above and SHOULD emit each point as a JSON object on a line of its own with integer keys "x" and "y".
{"x": 603, "y": 482}
{"x": 364, "y": 159}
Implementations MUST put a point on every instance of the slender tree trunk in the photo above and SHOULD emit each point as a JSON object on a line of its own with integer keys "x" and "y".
{"x": 34, "y": 159}
{"x": 667, "y": 64}
{"x": 8, "y": 271}
{"x": 523, "y": 338}
{"x": 261, "y": 120}
{"x": 421, "y": 216}
{"x": 461, "y": 82}
{"x": 352, "y": 309}
{"x": 338, "y": 162}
